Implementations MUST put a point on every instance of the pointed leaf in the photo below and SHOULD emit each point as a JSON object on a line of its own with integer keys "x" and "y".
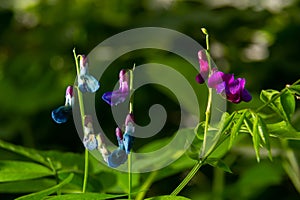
{"x": 41, "y": 194}
{"x": 255, "y": 138}
{"x": 26, "y": 186}
{"x": 283, "y": 130}
{"x": 215, "y": 162}
{"x": 264, "y": 135}
{"x": 19, "y": 170}
{"x": 295, "y": 89}
{"x": 85, "y": 196}
{"x": 235, "y": 129}
{"x": 27, "y": 152}
{"x": 288, "y": 104}
{"x": 168, "y": 197}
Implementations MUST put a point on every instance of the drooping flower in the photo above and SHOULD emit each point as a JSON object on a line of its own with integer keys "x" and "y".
{"x": 62, "y": 113}
{"x": 119, "y": 135}
{"x": 226, "y": 84}
{"x": 128, "y": 137}
{"x": 116, "y": 158}
{"x": 204, "y": 67}
{"x": 90, "y": 138}
{"x": 86, "y": 82}
{"x": 118, "y": 96}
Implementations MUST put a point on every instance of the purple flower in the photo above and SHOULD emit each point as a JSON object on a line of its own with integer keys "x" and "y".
{"x": 86, "y": 82}
{"x": 62, "y": 113}
{"x": 118, "y": 96}
{"x": 233, "y": 89}
{"x": 204, "y": 67}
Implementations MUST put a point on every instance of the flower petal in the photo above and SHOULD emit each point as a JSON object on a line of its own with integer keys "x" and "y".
{"x": 61, "y": 114}
{"x": 88, "y": 83}
{"x": 116, "y": 158}
{"x": 128, "y": 142}
{"x": 114, "y": 98}
{"x": 200, "y": 79}
{"x": 246, "y": 96}
{"x": 215, "y": 79}
{"x": 90, "y": 142}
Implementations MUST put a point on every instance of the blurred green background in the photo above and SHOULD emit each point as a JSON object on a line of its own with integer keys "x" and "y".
{"x": 258, "y": 40}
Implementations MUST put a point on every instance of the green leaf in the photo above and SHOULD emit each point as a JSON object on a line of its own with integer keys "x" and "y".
{"x": 26, "y": 186}
{"x": 283, "y": 130}
{"x": 264, "y": 135}
{"x": 255, "y": 137}
{"x": 27, "y": 152}
{"x": 168, "y": 197}
{"x": 284, "y": 105}
{"x": 85, "y": 196}
{"x": 235, "y": 129}
{"x": 295, "y": 89}
{"x": 288, "y": 103}
{"x": 194, "y": 149}
{"x": 215, "y": 162}
{"x": 20, "y": 170}
{"x": 41, "y": 194}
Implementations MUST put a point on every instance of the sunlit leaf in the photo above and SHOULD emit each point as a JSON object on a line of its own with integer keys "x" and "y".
{"x": 27, "y": 152}
{"x": 288, "y": 103}
{"x": 255, "y": 137}
{"x": 283, "y": 130}
{"x": 85, "y": 196}
{"x": 169, "y": 197}
{"x": 235, "y": 129}
{"x": 295, "y": 89}
{"x": 264, "y": 135}
{"x": 27, "y": 186}
{"x": 41, "y": 194}
{"x": 20, "y": 170}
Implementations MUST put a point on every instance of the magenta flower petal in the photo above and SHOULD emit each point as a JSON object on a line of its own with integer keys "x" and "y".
{"x": 200, "y": 79}
{"x": 215, "y": 79}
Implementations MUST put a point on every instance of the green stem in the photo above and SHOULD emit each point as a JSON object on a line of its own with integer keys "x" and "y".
{"x": 130, "y": 111}
{"x": 187, "y": 179}
{"x": 86, "y": 170}
{"x": 129, "y": 176}
{"x": 276, "y": 96}
{"x": 197, "y": 166}
{"x": 82, "y": 114}
{"x": 146, "y": 185}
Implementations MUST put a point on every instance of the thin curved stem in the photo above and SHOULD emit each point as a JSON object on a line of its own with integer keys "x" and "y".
{"x": 82, "y": 114}
{"x": 187, "y": 179}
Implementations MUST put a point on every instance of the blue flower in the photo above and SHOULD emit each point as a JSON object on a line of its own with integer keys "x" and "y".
{"x": 62, "y": 113}
{"x": 128, "y": 139}
{"x": 118, "y": 96}
{"x": 90, "y": 142}
{"x": 116, "y": 158}
{"x": 86, "y": 82}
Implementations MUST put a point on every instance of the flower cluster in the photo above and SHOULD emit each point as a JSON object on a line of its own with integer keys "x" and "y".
{"x": 96, "y": 141}
{"x": 118, "y": 96}
{"x": 232, "y": 89}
